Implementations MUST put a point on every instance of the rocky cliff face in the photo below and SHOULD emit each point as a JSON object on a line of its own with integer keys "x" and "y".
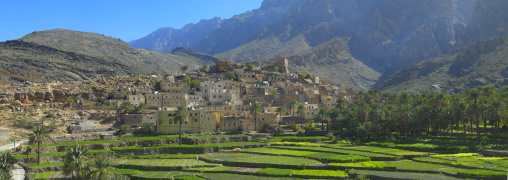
{"x": 489, "y": 20}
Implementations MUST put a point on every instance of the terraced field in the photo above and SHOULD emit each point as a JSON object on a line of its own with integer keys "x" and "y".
{"x": 285, "y": 160}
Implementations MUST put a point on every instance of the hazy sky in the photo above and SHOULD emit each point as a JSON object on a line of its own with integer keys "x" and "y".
{"x": 125, "y": 19}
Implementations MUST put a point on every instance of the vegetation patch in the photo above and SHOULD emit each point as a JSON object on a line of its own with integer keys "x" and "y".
{"x": 303, "y": 138}
{"x": 372, "y": 155}
{"x": 187, "y": 146}
{"x": 456, "y": 155}
{"x": 188, "y": 178}
{"x": 333, "y": 173}
{"x": 275, "y": 171}
{"x": 43, "y": 175}
{"x": 294, "y": 144}
{"x": 320, "y": 155}
{"x": 261, "y": 159}
{"x": 162, "y": 156}
{"x": 46, "y": 164}
{"x": 163, "y": 162}
{"x": 161, "y": 174}
{"x": 242, "y": 177}
{"x": 479, "y": 172}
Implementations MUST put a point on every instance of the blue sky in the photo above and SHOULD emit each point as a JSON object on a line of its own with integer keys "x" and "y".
{"x": 125, "y": 19}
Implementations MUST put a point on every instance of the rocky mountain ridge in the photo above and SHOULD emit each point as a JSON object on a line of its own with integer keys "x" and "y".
{"x": 66, "y": 55}
{"x": 482, "y": 63}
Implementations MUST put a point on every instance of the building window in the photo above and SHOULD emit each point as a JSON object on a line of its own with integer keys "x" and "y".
{"x": 214, "y": 96}
{"x": 195, "y": 114}
{"x": 160, "y": 121}
{"x": 220, "y": 96}
{"x": 195, "y": 120}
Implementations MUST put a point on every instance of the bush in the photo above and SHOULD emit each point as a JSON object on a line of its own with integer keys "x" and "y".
{"x": 295, "y": 127}
{"x": 309, "y": 127}
{"x": 123, "y": 130}
{"x": 25, "y": 122}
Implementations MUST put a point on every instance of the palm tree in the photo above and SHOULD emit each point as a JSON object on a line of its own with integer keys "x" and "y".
{"x": 6, "y": 161}
{"x": 403, "y": 116}
{"x": 497, "y": 108}
{"x": 39, "y": 136}
{"x": 301, "y": 110}
{"x": 181, "y": 115}
{"x": 473, "y": 96}
{"x": 255, "y": 109}
{"x": 322, "y": 116}
{"x": 75, "y": 161}
{"x": 281, "y": 110}
{"x": 292, "y": 105}
{"x": 377, "y": 115}
{"x": 102, "y": 169}
{"x": 341, "y": 104}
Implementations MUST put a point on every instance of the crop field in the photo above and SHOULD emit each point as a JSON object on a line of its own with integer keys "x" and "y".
{"x": 303, "y": 159}
{"x": 345, "y": 151}
{"x": 332, "y": 157}
{"x": 163, "y": 162}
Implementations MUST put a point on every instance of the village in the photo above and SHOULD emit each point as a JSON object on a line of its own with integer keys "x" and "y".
{"x": 218, "y": 98}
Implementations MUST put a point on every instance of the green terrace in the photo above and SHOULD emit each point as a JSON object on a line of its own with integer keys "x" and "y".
{"x": 260, "y": 159}
{"x": 124, "y": 139}
{"x": 187, "y": 146}
{"x": 330, "y": 157}
{"x": 373, "y": 156}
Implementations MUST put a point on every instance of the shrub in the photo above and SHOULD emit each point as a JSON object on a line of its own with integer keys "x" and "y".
{"x": 250, "y": 66}
{"x": 123, "y": 130}
{"x": 309, "y": 127}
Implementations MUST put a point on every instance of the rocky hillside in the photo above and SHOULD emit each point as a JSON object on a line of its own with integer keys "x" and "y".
{"x": 72, "y": 55}
{"x": 332, "y": 60}
{"x": 20, "y": 60}
{"x": 481, "y": 63}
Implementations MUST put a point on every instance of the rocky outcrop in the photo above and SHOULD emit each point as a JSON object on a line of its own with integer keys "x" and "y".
{"x": 5, "y": 98}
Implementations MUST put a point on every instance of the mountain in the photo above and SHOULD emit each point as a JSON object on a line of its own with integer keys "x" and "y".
{"x": 72, "y": 55}
{"x": 490, "y": 20}
{"x": 216, "y": 35}
{"x": 384, "y": 35}
{"x": 482, "y": 63}
{"x": 332, "y": 60}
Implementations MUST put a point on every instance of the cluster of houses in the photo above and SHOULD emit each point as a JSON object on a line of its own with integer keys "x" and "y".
{"x": 224, "y": 104}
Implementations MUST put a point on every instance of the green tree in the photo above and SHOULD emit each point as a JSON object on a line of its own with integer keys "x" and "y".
{"x": 140, "y": 108}
{"x": 301, "y": 75}
{"x": 184, "y": 68}
{"x": 274, "y": 91}
{"x": 255, "y": 109}
{"x": 39, "y": 136}
{"x": 301, "y": 110}
{"x": 194, "y": 83}
{"x": 341, "y": 104}
{"x": 188, "y": 80}
{"x": 127, "y": 107}
{"x": 75, "y": 161}
{"x": 230, "y": 75}
{"x": 250, "y": 67}
{"x": 155, "y": 73}
{"x": 202, "y": 69}
{"x": 181, "y": 115}
{"x": 308, "y": 76}
{"x": 6, "y": 161}
{"x": 276, "y": 69}
{"x": 101, "y": 168}
{"x": 281, "y": 110}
